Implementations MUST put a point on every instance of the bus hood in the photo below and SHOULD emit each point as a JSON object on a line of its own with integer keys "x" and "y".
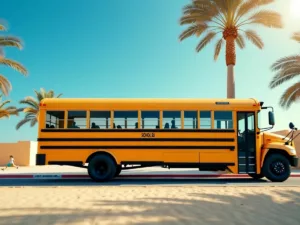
{"x": 271, "y": 137}
{"x": 277, "y": 141}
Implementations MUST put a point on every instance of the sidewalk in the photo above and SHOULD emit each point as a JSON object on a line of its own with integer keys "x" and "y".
{"x": 59, "y": 172}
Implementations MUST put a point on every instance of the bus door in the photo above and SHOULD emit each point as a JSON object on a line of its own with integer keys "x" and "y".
{"x": 246, "y": 142}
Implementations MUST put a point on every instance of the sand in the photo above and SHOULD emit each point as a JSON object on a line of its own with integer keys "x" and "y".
{"x": 150, "y": 205}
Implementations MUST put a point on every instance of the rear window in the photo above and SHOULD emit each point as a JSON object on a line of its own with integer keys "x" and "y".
{"x": 55, "y": 119}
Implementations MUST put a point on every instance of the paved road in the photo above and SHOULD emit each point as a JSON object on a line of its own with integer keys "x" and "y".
{"x": 147, "y": 182}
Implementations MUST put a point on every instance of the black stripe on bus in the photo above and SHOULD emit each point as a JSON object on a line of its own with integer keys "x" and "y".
{"x": 138, "y": 147}
{"x": 140, "y": 130}
{"x": 140, "y": 139}
{"x": 69, "y": 163}
{"x": 151, "y": 163}
{"x": 179, "y": 164}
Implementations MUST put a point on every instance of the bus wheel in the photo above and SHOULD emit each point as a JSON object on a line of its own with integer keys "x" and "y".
{"x": 118, "y": 170}
{"x": 101, "y": 168}
{"x": 277, "y": 168}
{"x": 256, "y": 176}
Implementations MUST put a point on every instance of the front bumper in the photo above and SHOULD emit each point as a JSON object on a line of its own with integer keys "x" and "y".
{"x": 295, "y": 161}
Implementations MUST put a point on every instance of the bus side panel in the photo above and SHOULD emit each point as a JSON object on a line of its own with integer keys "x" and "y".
{"x": 41, "y": 124}
{"x": 224, "y": 156}
{"x": 259, "y": 146}
{"x": 181, "y": 157}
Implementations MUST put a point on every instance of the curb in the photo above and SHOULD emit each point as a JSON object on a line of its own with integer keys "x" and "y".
{"x": 133, "y": 176}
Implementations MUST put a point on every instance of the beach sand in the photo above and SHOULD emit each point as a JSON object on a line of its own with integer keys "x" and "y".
{"x": 150, "y": 205}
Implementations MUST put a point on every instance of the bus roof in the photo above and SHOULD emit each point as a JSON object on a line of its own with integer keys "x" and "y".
{"x": 134, "y": 103}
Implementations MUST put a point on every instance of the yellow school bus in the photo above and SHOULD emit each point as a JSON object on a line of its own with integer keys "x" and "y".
{"x": 109, "y": 135}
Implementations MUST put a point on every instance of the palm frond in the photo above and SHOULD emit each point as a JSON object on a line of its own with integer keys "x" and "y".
{"x": 50, "y": 94}
{"x": 43, "y": 92}
{"x": 13, "y": 64}
{"x": 221, "y": 5}
{"x": 197, "y": 29}
{"x": 266, "y": 18}
{"x": 2, "y": 27}
{"x": 33, "y": 122}
{"x": 296, "y": 36}
{"x": 290, "y": 96}
{"x": 240, "y": 41}
{"x": 286, "y": 62}
{"x": 4, "y": 114}
{"x": 236, "y": 4}
{"x": 10, "y": 41}
{"x": 218, "y": 49}
{"x": 59, "y": 95}
{"x": 2, "y": 54}
{"x": 30, "y": 115}
{"x": 4, "y": 103}
{"x": 20, "y": 109}
{"x": 30, "y": 101}
{"x": 254, "y": 38}
{"x": 284, "y": 75}
{"x": 200, "y": 7}
{"x": 230, "y": 10}
{"x": 196, "y": 7}
{"x": 198, "y": 19}
{"x": 5, "y": 85}
{"x": 21, "y": 123}
{"x": 39, "y": 95}
{"x": 8, "y": 111}
{"x": 205, "y": 41}
{"x": 12, "y": 110}
{"x": 30, "y": 110}
{"x": 249, "y": 5}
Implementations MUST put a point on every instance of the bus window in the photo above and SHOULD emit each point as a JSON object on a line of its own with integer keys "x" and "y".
{"x": 171, "y": 119}
{"x": 223, "y": 120}
{"x": 55, "y": 119}
{"x": 205, "y": 120}
{"x": 77, "y": 119}
{"x": 126, "y": 119}
{"x": 190, "y": 120}
{"x": 100, "y": 119}
{"x": 150, "y": 120}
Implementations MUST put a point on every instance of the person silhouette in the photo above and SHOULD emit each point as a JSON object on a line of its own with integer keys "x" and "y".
{"x": 94, "y": 125}
{"x": 173, "y": 124}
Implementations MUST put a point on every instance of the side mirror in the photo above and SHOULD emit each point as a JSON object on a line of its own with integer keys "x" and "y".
{"x": 271, "y": 118}
{"x": 291, "y": 125}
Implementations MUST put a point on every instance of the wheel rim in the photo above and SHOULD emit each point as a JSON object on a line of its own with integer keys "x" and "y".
{"x": 278, "y": 168}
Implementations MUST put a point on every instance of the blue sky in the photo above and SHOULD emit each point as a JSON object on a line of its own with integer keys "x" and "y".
{"x": 128, "y": 49}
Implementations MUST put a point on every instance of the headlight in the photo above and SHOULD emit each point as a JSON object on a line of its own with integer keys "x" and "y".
{"x": 293, "y": 151}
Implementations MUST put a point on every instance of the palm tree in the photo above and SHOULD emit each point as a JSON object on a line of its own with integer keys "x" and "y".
{"x": 32, "y": 109}
{"x": 288, "y": 68}
{"x": 8, "y": 111}
{"x": 208, "y": 18}
{"x": 9, "y": 41}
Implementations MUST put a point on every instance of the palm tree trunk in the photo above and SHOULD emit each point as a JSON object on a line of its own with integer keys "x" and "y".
{"x": 230, "y": 61}
{"x": 230, "y": 82}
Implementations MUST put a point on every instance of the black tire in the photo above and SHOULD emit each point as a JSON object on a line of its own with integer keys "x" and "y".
{"x": 118, "y": 170}
{"x": 101, "y": 168}
{"x": 276, "y": 168}
{"x": 256, "y": 176}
